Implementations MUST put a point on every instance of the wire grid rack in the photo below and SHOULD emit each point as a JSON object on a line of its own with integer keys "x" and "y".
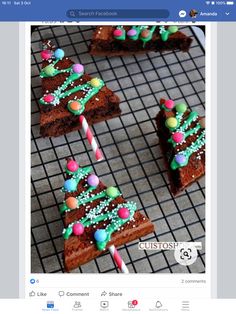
{"x": 133, "y": 160}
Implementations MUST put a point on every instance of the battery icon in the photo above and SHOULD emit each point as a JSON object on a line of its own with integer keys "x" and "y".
{"x": 230, "y": 2}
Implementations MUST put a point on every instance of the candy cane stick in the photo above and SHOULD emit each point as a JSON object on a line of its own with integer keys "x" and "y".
{"x": 118, "y": 259}
{"x": 90, "y": 138}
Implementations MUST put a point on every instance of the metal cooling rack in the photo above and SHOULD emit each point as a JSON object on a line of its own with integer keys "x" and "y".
{"x": 133, "y": 160}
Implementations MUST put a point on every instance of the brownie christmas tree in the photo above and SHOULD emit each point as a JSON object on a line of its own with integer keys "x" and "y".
{"x": 68, "y": 93}
{"x": 96, "y": 217}
{"x": 126, "y": 40}
{"x": 182, "y": 139}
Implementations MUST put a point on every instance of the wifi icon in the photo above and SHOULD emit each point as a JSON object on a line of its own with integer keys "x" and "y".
{"x": 208, "y": 2}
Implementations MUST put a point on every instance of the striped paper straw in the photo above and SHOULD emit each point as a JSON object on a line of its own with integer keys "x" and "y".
{"x": 118, "y": 259}
{"x": 91, "y": 138}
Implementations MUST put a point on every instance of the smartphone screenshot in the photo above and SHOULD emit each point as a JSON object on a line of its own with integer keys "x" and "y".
{"x": 117, "y": 156}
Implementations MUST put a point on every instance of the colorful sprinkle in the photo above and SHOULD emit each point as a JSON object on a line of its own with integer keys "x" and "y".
{"x": 71, "y": 202}
{"x": 78, "y": 228}
{"x": 93, "y": 180}
{"x": 75, "y": 106}
{"x": 132, "y": 32}
{"x": 178, "y": 137}
{"x": 48, "y": 98}
{"x": 46, "y": 54}
{"x": 173, "y": 29}
{"x": 49, "y": 70}
{"x": 145, "y": 33}
{"x": 123, "y": 213}
{"x": 112, "y": 192}
{"x": 78, "y": 68}
{"x": 180, "y": 159}
{"x": 117, "y": 32}
{"x": 181, "y": 108}
{"x": 100, "y": 235}
{"x": 169, "y": 104}
{"x": 95, "y": 82}
{"x": 171, "y": 123}
{"x": 70, "y": 185}
{"x": 72, "y": 165}
{"x": 59, "y": 53}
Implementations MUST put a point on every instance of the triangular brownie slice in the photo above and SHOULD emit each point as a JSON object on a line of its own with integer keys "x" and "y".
{"x": 182, "y": 140}
{"x": 95, "y": 217}
{"x": 127, "y": 40}
{"x": 68, "y": 92}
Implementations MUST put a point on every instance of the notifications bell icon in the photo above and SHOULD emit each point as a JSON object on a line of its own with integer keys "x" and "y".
{"x": 158, "y": 304}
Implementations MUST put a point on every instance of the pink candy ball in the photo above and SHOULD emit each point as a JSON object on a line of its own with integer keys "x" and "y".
{"x": 169, "y": 104}
{"x": 78, "y": 68}
{"x": 93, "y": 180}
{"x": 78, "y": 229}
{"x": 117, "y": 32}
{"x": 131, "y": 32}
{"x": 46, "y": 54}
{"x": 123, "y": 213}
{"x": 72, "y": 165}
{"x": 48, "y": 98}
{"x": 177, "y": 137}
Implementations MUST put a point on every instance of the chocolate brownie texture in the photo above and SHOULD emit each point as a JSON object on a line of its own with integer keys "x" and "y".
{"x": 184, "y": 176}
{"x": 58, "y": 120}
{"x": 104, "y": 44}
{"x": 81, "y": 249}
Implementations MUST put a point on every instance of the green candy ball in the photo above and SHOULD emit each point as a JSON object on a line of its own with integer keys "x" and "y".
{"x": 49, "y": 70}
{"x": 173, "y": 29}
{"x": 181, "y": 108}
{"x": 112, "y": 192}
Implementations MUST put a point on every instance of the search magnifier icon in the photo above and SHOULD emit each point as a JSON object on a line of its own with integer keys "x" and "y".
{"x": 71, "y": 13}
{"x": 186, "y": 254}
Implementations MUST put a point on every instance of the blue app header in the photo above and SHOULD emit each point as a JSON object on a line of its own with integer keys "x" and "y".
{"x": 106, "y": 10}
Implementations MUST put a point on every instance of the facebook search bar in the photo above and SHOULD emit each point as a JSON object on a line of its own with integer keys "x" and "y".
{"x": 117, "y": 14}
